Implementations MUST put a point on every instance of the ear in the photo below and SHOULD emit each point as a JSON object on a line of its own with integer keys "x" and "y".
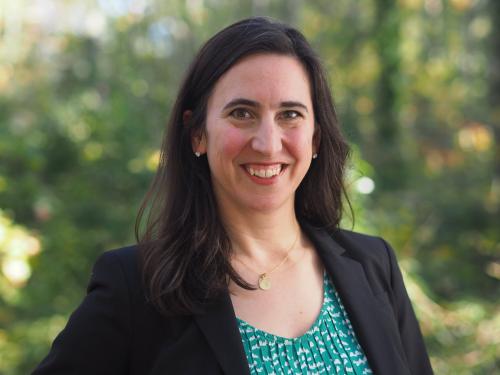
{"x": 316, "y": 139}
{"x": 198, "y": 139}
{"x": 199, "y": 142}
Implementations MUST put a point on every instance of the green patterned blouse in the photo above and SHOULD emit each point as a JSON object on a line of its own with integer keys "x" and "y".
{"x": 328, "y": 347}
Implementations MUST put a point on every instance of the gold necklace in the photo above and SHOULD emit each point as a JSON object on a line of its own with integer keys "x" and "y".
{"x": 264, "y": 282}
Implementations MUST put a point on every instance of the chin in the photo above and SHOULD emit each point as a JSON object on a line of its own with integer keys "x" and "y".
{"x": 266, "y": 205}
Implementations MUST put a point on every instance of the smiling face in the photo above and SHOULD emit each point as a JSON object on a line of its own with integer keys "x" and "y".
{"x": 259, "y": 133}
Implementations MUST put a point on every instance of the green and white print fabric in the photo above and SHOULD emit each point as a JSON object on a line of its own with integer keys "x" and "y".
{"x": 328, "y": 347}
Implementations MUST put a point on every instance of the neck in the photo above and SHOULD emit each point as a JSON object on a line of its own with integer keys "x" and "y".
{"x": 263, "y": 238}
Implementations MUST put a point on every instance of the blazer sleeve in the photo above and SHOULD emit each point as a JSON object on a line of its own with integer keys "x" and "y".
{"x": 411, "y": 337}
{"x": 97, "y": 335}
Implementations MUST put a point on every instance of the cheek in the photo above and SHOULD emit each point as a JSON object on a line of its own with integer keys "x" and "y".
{"x": 229, "y": 143}
{"x": 300, "y": 142}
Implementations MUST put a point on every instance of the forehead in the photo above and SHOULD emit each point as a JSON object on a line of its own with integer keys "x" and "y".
{"x": 266, "y": 78}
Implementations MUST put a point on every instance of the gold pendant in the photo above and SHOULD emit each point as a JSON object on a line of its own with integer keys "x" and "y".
{"x": 264, "y": 282}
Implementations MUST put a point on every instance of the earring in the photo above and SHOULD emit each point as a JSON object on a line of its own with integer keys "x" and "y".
{"x": 197, "y": 154}
{"x": 315, "y": 155}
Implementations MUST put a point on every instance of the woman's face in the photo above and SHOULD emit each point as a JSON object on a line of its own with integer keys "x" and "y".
{"x": 259, "y": 133}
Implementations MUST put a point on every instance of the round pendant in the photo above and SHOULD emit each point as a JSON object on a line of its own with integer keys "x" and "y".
{"x": 264, "y": 282}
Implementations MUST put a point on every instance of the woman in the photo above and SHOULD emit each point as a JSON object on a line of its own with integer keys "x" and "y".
{"x": 241, "y": 267}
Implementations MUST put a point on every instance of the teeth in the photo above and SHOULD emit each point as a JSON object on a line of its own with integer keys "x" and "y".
{"x": 264, "y": 173}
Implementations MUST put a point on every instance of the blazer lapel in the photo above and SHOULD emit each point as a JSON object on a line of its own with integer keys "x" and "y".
{"x": 371, "y": 320}
{"x": 220, "y": 328}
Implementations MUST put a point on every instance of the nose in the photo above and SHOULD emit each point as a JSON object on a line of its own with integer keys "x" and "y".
{"x": 267, "y": 137}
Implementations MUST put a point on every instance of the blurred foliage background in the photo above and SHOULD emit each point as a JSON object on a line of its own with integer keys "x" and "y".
{"x": 85, "y": 90}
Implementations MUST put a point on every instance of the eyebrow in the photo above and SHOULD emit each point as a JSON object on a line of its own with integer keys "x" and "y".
{"x": 254, "y": 104}
{"x": 241, "y": 101}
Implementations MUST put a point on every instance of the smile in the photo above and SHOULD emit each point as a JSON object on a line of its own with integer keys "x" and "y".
{"x": 264, "y": 171}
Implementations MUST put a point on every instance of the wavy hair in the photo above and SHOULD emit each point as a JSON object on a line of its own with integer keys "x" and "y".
{"x": 184, "y": 247}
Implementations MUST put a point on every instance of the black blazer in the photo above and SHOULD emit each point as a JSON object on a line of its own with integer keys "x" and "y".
{"x": 115, "y": 331}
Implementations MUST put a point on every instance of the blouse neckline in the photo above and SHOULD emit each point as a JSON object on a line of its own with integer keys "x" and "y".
{"x": 314, "y": 327}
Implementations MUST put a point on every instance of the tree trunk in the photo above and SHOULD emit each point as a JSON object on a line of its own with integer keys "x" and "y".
{"x": 389, "y": 162}
{"x": 494, "y": 91}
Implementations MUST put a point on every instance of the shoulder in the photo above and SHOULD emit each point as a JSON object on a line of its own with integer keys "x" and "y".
{"x": 363, "y": 248}
{"x": 373, "y": 252}
{"x": 120, "y": 267}
{"x": 360, "y": 238}
{"x": 127, "y": 257}
{"x": 360, "y": 245}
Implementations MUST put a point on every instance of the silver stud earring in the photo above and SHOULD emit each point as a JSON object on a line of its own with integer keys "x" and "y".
{"x": 315, "y": 155}
{"x": 197, "y": 154}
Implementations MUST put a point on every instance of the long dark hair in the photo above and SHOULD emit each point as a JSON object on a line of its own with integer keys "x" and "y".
{"x": 184, "y": 248}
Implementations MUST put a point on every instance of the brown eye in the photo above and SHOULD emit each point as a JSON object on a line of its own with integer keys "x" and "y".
{"x": 291, "y": 115}
{"x": 241, "y": 114}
